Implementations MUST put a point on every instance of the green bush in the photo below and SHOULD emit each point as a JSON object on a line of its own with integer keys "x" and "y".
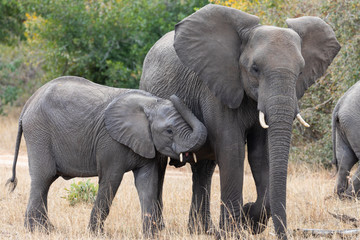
{"x": 104, "y": 41}
{"x": 81, "y": 192}
{"x": 315, "y": 144}
{"x": 11, "y": 22}
{"x": 19, "y": 71}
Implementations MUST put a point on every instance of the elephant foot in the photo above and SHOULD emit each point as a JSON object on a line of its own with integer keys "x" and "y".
{"x": 152, "y": 226}
{"x": 222, "y": 234}
{"x": 38, "y": 223}
{"x": 197, "y": 226}
{"x": 341, "y": 190}
{"x": 160, "y": 226}
{"x": 349, "y": 194}
{"x": 255, "y": 220}
{"x": 96, "y": 228}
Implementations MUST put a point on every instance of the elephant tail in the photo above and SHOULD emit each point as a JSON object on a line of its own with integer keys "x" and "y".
{"x": 12, "y": 182}
{"x": 335, "y": 125}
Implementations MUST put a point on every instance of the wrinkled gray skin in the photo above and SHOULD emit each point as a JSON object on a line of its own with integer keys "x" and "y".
{"x": 76, "y": 128}
{"x": 227, "y": 67}
{"x": 346, "y": 141}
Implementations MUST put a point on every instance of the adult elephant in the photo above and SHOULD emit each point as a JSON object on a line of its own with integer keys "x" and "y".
{"x": 346, "y": 145}
{"x": 230, "y": 70}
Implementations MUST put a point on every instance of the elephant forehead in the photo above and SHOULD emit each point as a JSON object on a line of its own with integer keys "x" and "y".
{"x": 277, "y": 36}
{"x": 277, "y": 47}
{"x": 166, "y": 112}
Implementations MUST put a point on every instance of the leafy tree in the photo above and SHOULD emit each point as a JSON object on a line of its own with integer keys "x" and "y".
{"x": 11, "y": 21}
{"x": 19, "y": 72}
{"x": 104, "y": 41}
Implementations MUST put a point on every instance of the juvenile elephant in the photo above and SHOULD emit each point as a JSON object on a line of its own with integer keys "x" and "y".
{"x": 232, "y": 72}
{"x": 346, "y": 141}
{"x": 76, "y": 128}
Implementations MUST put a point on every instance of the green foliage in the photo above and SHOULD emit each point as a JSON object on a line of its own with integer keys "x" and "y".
{"x": 81, "y": 192}
{"x": 18, "y": 71}
{"x": 11, "y": 21}
{"x": 315, "y": 144}
{"x": 104, "y": 41}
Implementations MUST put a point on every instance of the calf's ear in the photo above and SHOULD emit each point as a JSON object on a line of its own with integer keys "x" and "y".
{"x": 127, "y": 123}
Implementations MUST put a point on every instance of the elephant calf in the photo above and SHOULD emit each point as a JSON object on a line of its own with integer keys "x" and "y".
{"x": 346, "y": 141}
{"x": 76, "y": 128}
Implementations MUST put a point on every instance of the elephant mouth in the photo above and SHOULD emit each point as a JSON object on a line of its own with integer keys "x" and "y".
{"x": 184, "y": 158}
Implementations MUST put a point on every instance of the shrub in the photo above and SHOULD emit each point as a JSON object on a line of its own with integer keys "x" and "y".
{"x": 315, "y": 144}
{"x": 19, "y": 71}
{"x": 104, "y": 41}
{"x": 11, "y": 19}
{"x": 81, "y": 192}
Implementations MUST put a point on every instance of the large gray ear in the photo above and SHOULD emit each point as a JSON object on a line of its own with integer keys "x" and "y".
{"x": 209, "y": 42}
{"x": 319, "y": 47}
{"x": 126, "y": 122}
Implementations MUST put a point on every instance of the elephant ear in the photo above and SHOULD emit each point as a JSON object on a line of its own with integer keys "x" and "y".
{"x": 209, "y": 43}
{"x": 319, "y": 47}
{"x": 127, "y": 123}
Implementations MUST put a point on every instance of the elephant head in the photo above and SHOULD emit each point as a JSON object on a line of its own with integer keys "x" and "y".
{"x": 144, "y": 123}
{"x": 236, "y": 56}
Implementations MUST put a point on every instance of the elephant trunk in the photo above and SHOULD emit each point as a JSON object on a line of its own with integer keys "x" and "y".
{"x": 192, "y": 140}
{"x": 280, "y": 109}
{"x": 279, "y": 136}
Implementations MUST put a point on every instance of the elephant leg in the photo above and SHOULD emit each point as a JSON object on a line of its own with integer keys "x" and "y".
{"x": 346, "y": 159}
{"x": 162, "y": 163}
{"x": 146, "y": 182}
{"x": 354, "y": 186}
{"x": 104, "y": 198}
{"x": 199, "y": 216}
{"x": 256, "y": 215}
{"x": 231, "y": 167}
{"x": 36, "y": 212}
{"x": 43, "y": 173}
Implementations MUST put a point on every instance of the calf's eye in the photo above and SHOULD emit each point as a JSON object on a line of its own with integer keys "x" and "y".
{"x": 255, "y": 68}
{"x": 169, "y": 131}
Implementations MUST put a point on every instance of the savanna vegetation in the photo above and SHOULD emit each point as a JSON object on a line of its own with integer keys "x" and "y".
{"x": 106, "y": 41}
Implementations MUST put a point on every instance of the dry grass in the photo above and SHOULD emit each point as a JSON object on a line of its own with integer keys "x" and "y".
{"x": 8, "y": 132}
{"x": 307, "y": 204}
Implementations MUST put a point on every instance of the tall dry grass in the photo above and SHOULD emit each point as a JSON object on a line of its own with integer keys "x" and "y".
{"x": 8, "y": 132}
{"x": 307, "y": 203}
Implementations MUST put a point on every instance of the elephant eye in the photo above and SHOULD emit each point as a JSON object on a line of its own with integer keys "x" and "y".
{"x": 169, "y": 131}
{"x": 255, "y": 68}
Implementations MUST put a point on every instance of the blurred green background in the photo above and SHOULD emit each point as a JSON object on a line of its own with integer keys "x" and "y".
{"x": 106, "y": 41}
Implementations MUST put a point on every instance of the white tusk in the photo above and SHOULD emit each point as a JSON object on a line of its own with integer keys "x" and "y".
{"x": 194, "y": 156}
{"x": 181, "y": 157}
{"x": 302, "y": 121}
{"x": 262, "y": 120}
{"x": 168, "y": 159}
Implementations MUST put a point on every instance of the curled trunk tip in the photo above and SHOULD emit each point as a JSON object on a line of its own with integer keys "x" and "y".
{"x": 199, "y": 133}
